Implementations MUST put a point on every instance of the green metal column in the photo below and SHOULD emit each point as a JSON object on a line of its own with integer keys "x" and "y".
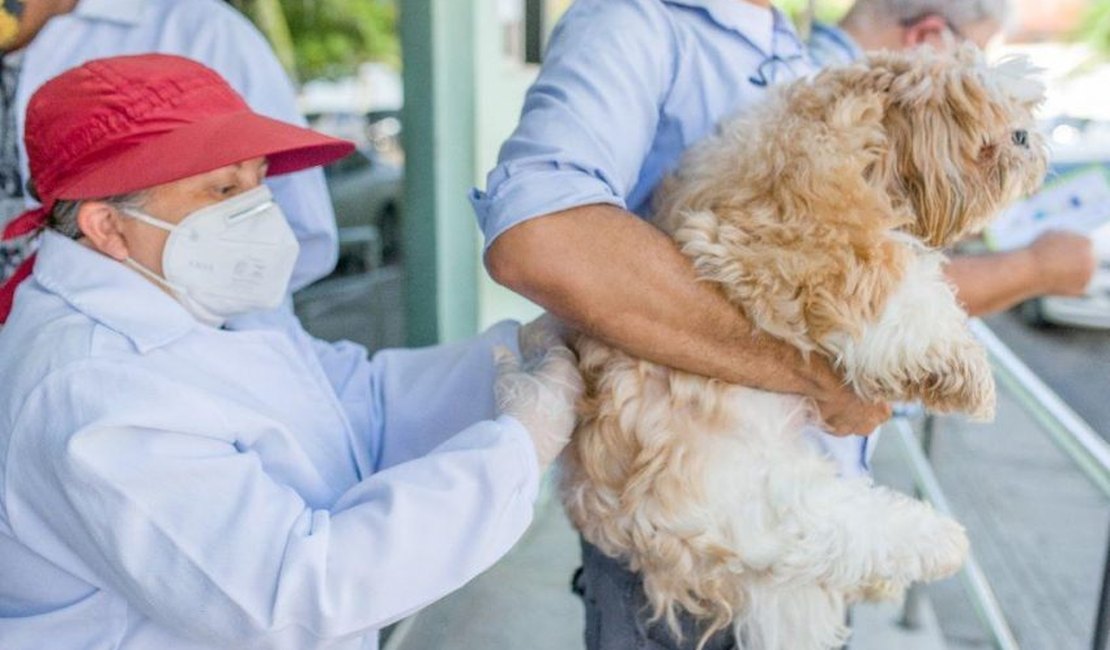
{"x": 440, "y": 236}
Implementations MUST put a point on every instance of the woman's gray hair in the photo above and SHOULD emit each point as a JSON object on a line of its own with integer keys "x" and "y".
{"x": 63, "y": 216}
{"x": 960, "y": 13}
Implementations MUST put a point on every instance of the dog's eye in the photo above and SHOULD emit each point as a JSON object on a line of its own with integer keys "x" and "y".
{"x": 1021, "y": 138}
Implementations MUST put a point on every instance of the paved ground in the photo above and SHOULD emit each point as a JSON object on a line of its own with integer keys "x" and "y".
{"x": 367, "y": 308}
{"x": 525, "y": 603}
{"x": 1038, "y": 529}
{"x": 1074, "y": 362}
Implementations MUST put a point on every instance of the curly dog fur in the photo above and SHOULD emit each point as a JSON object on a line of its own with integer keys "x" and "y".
{"x": 819, "y": 216}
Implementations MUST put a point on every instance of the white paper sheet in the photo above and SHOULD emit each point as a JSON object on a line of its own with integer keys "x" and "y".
{"x": 1079, "y": 202}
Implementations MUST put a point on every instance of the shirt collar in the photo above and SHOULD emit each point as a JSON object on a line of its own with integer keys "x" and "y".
{"x": 127, "y": 12}
{"x": 110, "y": 293}
{"x": 768, "y": 30}
{"x": 832, "y": 39}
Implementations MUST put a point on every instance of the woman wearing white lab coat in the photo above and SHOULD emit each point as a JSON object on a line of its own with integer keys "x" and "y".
{"x": 174, "y": 474}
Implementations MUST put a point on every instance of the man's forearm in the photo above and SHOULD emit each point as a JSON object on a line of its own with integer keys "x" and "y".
{"x": 1057, "y": 263}
{"x": 989, "y": 283}
{"x": 625, "y": 282}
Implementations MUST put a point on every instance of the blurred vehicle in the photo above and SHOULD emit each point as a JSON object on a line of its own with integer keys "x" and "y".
{"x": 1078, "y": 144}
{"x": 363, "y": 299}
{"x": 365, "y": 190}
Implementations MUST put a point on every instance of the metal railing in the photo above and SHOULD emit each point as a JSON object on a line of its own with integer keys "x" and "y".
{"x": 1067, "y": 430}
{"x": 975, "y": 581}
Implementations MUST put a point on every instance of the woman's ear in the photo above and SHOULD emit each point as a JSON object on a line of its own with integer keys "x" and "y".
{"x": 102, "y": 227}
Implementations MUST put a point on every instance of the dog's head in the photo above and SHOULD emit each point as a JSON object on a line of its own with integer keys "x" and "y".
{"x": 958, "y": 140}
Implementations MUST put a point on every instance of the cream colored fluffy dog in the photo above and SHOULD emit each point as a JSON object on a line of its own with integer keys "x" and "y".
{"x": 819, "y": 216}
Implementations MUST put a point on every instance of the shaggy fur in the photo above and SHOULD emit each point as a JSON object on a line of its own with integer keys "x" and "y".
{"x": 819, "y": 217}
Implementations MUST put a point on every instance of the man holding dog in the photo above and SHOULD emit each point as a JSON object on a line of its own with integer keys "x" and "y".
{"x": 626, "y": 87}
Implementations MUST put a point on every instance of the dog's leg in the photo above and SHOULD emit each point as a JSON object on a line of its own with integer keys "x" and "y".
{"x": 864, "y": 541}
{"x": 921, "y": 348}
{"x": 794, "y": 616}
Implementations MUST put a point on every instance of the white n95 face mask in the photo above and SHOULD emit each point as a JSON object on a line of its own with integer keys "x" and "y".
{"x": 229, "y": 258}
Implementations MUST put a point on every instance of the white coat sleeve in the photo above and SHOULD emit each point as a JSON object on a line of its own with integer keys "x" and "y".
{"x": 164, "y": 497}
{"x": 409, "y": 401}
{"x": 425, "y": 394}
{"x": 404, "y": 402}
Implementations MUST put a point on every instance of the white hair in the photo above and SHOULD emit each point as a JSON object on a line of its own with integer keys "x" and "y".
{"x": 63, "y": 216}
{"x": 960, "y": 13}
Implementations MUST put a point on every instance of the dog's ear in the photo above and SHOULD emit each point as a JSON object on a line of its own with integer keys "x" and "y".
{"x": 1017, "y": 77}
{"x": 839, "y": 154}
{"x": 801, "y": 240}
{"x": 937, "y": 127}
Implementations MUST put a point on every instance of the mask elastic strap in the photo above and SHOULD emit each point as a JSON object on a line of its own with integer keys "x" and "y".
{"x": 198, "y": 311}
{"x": 149, "y": 220}
{"x": 130, "y": 261}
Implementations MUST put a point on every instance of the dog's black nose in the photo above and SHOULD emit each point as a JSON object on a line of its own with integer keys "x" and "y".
{"x": 1021, "y": 138}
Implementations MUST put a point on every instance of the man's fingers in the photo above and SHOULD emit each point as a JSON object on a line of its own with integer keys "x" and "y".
{"x": 859, "y": 421}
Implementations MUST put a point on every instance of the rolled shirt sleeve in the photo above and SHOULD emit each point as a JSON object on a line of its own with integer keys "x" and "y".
{"x": 590, "y": 118}
{"x": 174, "y": 508}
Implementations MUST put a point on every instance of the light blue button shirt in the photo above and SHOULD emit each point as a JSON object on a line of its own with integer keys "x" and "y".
{"x": 830, "y": 45}
{"x": 164, "y": 484}
{"x": 626, "y": 87}
{"x": 212, "y": 33}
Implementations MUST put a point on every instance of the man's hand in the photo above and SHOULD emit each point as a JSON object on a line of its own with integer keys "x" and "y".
{"x": 843, "y": 413}
{"x": 1064, "y": 262}
{"x": 1056, "y": 263}
{"x": 612, "y": 276}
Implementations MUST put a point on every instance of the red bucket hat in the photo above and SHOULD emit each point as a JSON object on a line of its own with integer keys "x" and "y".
{"x": 123, "y": 124}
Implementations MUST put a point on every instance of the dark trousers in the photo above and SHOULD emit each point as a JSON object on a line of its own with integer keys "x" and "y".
{"x": 617, "y": 613}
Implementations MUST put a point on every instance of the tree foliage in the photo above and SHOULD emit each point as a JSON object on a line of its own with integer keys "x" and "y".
{"x": 827, "y": 11}
{"x": 329, "y": 37}
{"x": 1096, "y": 27}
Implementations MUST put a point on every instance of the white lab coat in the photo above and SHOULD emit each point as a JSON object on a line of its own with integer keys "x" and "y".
{"x": 168, "y": 485}
{"x": 211, "y": 32}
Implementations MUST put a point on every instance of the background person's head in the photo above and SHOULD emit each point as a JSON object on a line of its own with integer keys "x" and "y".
{"x": 122, "y": 150}
{"x": 21, "y": 20}
{"x": 904, "y": 24}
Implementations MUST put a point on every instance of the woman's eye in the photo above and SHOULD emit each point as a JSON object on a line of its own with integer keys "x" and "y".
{"x": 226, "y": 190}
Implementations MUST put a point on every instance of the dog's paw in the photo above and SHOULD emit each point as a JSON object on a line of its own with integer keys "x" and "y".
{"x": 943, "y": 550}
{"x": 961, "y": 381}
{"x": 882, "y": 591}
